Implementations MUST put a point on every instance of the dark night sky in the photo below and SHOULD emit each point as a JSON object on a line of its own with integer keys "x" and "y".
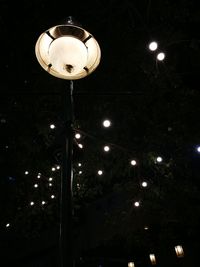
{"x": 154, "y": 109}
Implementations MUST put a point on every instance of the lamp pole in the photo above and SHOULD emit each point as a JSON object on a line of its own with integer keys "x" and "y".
{"x": 67, "y": 51}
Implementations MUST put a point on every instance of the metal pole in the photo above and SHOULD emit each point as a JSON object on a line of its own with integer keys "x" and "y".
{"x": 66, "y": 238}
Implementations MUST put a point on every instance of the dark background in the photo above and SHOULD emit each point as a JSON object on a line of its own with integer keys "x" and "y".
{"x": 154, "y": 109}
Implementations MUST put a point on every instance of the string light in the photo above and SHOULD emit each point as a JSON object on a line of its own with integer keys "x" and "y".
{"x": 146, "y": 228}
{"x": 153, "y": 46}
{"x": 100, "y": 172}
{"x": 137, "y": 204}
{"x": 38, "y": 176}
{"x": 50, "y": 184}
{"x": 106, "y": 148}
{"x": 159, "y": 159}
{"x": 77, "y": 136}
{"x": 144, "y": 184}
{"x": 133, "y": 162}
{"x": 198, "y": 149}
{"x": 53, "y": 169}
{"x": 43, "y": 202}
{"x": 32, "y": 203}
{"x": 79, "y": 164}
{"x": 58, "y": 167}
{"x": 50, "y": 179}
{"x": 52, "y": 196}
{"x": 52, "y": 126}
{"x": 7, "y": 225}
{"x": 106, "y": 123}
{"x": 35, "y": 185}
{"x": 80, "y": 145}
{"x": 152, "y": 259}
{"x": 26, "y": 172}
{"x": 80, "y": 172}
{"x": 161, "y": 56}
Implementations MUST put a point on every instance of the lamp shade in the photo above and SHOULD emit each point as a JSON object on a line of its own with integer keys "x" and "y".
{"x": 68, "y": 51}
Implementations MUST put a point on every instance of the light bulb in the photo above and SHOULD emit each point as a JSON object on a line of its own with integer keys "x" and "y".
{"x": 106, "y": 148}
{"x": 26, "y": 172}
{"x": 144, "y": 184}
{"x": 160, "y": 56}
{"x": 52, "y": 126}
{"x": 100, "y": 172}
{"x": 133, "y": 162}
{"x": 137, "y": 204}
{"x": 52, "y": 196}
{"x": 106, "y": 123}
{"x": 153, "y": 46}
{"x": 159, "y": 159}
{"x": 35, "y": 185}
{"x": 77, "y": 136}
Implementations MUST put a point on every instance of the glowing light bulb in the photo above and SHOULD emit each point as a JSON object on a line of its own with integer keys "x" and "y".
{"x": 100, "y": 172}
{"x": 52, "y": 126}
{"x": 79, "y": 164}
{"x": 146, "y": 228}
{"x": 26, "y": 172}
{"x": 106, "y": 148}
{"x": 131, "y": 264}
{"x": 80, "y": 172}
{"x": 144, "y": 184}
{"x": 53, "y": 169}
{"x": 38, "y": 176}
{"x": 137, "y": 204}
{"x": 198, "y": 149}
{"x": 43, "y": 202}
{"x": 80, "y": 145}
{"x": 106, "y": 123}
{"x": 159, "y": 159}
{"x": 50, "y": 179}
{"x": 160, "y": 56}
{"x": 32, "y": 203}
{"x": 133, "y": 162}
{"x": 52, "y": 196}
{"x": 152, "y": 259}
{"x": 35, "y": 185}
{"x": 153, "y": 46}
{"x": 50, "y": 184}
{"x": 77, "y": 136}
{"x": 58, "y": 167}
{"x": 7, "y": 225}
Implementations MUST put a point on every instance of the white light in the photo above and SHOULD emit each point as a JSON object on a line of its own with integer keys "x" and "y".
{"x": 161, "y": 56}
{"x": 32, "y": 203}
{"x": 152, "y": 259}
{"x": 80, "y": 172}
{"x": 52, "y": 196}
{"x": 106, "y": 148}
{"x": 144, "y": 184}
{"x": 153, "y": 46}
{"x": 159, "y": 159}
{"x": 64, "y": 61}
{"x": 26, "y": 172}
{"x": 7, "y": 225}
{"x": 80, "y": 145}
{"x": 50, "y": 184}
{"x": 58, "y": 167}
{"x": 77, "y": 136}
{"x": 79, "y": 164}
{"x": 38, "y": 176}
{"x": 100, "y": 172}
{"x": 137, "y": 204}
{"x": 179, "y": 251}
{"x": 146, "y": 228}
{"x": 133, "y": 162}
{"x": 43, "y": 202}
{"x": 131, "y": 264}
{"x": 106, "y": 123}
{"x": 35, "y": 185}
{"x": 198, "y": 149}
{"x": 53, "y": 169}
{"x": 52, "y": 126}
{"x": 50, "y": 179}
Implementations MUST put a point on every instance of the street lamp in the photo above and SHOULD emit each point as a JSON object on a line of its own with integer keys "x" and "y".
{"x": 67, "y": 51}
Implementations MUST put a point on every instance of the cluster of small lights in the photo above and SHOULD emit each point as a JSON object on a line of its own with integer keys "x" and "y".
{"x": 153, "y": 47}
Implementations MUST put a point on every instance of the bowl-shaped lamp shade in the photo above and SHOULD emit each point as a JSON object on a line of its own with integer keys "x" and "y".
{"x": 68, "y": 52}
